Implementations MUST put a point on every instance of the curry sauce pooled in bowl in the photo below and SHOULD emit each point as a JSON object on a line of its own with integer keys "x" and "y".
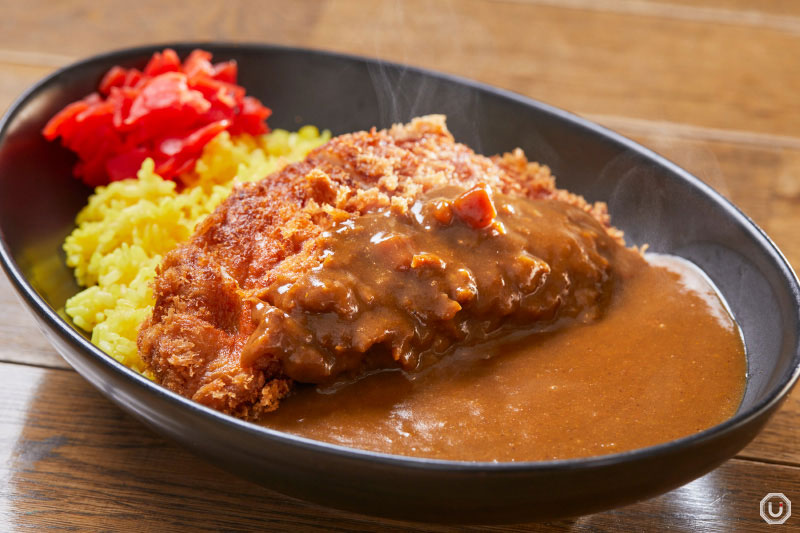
{"x": 396, "y": 292}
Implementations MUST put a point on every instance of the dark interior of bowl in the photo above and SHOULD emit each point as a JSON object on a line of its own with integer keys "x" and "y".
{"x": 653, "y": 201}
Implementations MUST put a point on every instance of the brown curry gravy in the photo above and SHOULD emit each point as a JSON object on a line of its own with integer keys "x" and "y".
{"x": 403, "y": 287}
{"x": 665, "y": 360}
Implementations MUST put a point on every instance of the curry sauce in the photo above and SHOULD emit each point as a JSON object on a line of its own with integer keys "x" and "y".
{"x": 401, "y": 289}
{"x": 611, "y": 352}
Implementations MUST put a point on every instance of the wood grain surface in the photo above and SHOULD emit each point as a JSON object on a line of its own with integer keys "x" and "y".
{"x": 713, "y": 85}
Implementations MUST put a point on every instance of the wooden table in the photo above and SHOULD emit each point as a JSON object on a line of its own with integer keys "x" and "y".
{"x": 712, "y": 84}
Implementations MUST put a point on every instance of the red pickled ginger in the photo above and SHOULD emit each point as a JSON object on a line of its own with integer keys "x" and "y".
{"x": 168, "y": 112}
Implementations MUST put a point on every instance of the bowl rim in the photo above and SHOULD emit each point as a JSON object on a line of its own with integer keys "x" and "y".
{"x": 71, "y": 336}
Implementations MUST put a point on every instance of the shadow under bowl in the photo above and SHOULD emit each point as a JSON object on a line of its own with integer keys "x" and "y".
{"x": 651, "y": 199}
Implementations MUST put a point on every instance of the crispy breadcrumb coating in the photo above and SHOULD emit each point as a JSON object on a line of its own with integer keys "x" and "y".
{"x": 202, "y": 318}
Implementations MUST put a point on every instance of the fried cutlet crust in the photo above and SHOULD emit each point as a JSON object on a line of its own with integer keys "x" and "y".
{"x": 204, "y": 289}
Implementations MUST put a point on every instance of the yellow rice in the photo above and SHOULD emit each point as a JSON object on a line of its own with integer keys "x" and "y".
{"x": 128, "y": 226}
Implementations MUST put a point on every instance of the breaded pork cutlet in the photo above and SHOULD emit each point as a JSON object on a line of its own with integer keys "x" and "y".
{"x": 221, "y": 307}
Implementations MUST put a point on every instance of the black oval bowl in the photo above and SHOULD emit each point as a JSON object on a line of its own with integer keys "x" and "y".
{"x": 651, "y": 199}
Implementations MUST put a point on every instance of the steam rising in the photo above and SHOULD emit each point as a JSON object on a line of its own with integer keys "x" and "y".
{"x": 401, "y": 94}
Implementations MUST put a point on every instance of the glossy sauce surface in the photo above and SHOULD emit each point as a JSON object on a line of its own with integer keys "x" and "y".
{"x": 402, "y": 289}
{"x": 665, "y": 361}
